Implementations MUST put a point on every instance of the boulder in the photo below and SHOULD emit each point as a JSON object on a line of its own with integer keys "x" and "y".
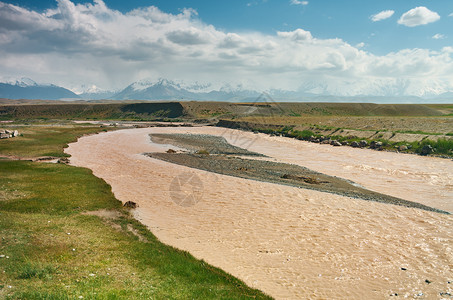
{"x": 130, "y": 204}
{"x": 4, "y": 135}
{"x": 326, "y": 141}
{"x": 355, "y": 144}
{"x": 427, "y": 149}
{"x": 376, "y": 145}
{"x": 15, "y": 133}
{"x": 402, "y": 148}
{"x": 63, "y": 160}
{"x": 363, "y": 143}
{"x": 335, "y": 143}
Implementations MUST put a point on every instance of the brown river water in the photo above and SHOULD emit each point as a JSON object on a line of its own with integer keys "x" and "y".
{"x": 289, "y": 242}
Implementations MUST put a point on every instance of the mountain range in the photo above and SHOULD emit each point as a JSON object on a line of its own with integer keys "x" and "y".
{"x": 26, "y": 88}
{"x": 164, "y": 89}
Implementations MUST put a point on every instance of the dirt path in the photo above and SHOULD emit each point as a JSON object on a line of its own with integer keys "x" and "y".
{"x": 292, "y": 243}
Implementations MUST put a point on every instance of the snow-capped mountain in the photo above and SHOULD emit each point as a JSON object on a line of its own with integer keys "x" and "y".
{"x": 93, "y": 92}
{"x": 26, "y": 88}
{"x": 165, "y": 89}
{"x": 382, "y": 91}
{"x": 379, "y": 91}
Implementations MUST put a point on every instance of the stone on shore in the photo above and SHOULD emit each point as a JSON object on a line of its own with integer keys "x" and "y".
{"x": 427, "y": 149}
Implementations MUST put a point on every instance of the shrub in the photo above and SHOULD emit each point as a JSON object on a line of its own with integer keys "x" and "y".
{"x": 203, "y": 152}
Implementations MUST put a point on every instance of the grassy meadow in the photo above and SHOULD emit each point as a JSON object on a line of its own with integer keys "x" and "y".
{"x": 63, "y": 235}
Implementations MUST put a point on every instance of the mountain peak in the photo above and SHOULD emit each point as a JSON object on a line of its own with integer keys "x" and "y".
{"x": 146, "y": 84}
{"x": 25, "y": 81}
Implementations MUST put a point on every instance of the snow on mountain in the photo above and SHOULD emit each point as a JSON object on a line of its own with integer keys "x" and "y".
{"x": 26, "y": 88}
{"x": 366, "y": 90}
{"x": 92, "y": 92}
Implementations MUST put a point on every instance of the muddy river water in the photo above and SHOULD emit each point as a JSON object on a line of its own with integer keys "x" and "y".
{"x": 289, "y": 242}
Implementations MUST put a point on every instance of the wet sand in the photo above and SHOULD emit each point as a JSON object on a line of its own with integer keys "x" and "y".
{"x": 291, "y": 242}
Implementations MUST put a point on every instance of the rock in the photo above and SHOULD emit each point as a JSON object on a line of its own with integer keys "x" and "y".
{"x": 63, "y": 160}
{"x": 130, "y": 204}
{"x": 171, "y": 151}
{"x": 402, "y": 148}
{"x": 427, "y": 281}
{"x": 5, "y": 133}
{"x": 363, "y": 143}
{"x": 427, "y": 149}
{"x": 326, "y": 141}
{"x": 355, "y": 144}
{"x": 376, "y": 145}
{"x": 336, "y": 143}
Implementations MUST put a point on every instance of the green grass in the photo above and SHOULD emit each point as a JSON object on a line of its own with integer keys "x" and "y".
{"x": 55, "y": 251}
{"x": 442, "y": 147}
{"x": 44, "y": 140}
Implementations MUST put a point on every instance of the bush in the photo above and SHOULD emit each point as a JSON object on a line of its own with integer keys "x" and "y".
{"x": 303, "y": 135}
{"x": 441, "y": 146}
{"x": 203, "y": 152}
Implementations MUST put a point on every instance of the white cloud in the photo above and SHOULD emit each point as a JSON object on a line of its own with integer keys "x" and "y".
{"x": 438, "y": 36}
{"x": 360, "y": 45}
{"x": 296, "y": 35}
{"x": 450, "y": 15}
{"x": 385, "y": 14}
{"x": 297, "y": 2}
{"x": 418, "y": 16}
{"x": 91, "y": 44}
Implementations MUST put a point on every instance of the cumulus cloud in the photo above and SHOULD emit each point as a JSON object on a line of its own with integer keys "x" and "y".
{"x": 385, "y": 14}
{"x": 418, "y": 16}
{"x": 91, "y": 44}
{"x": 296, "y": 35}
{"x": 297, "y": 2}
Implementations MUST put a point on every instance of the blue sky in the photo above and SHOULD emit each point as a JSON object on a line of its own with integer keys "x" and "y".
{"x": 338, "y": 40}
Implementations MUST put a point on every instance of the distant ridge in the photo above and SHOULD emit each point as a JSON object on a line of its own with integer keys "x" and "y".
{"x": 164, "y": 89}
{"x": 28, "y": 89}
